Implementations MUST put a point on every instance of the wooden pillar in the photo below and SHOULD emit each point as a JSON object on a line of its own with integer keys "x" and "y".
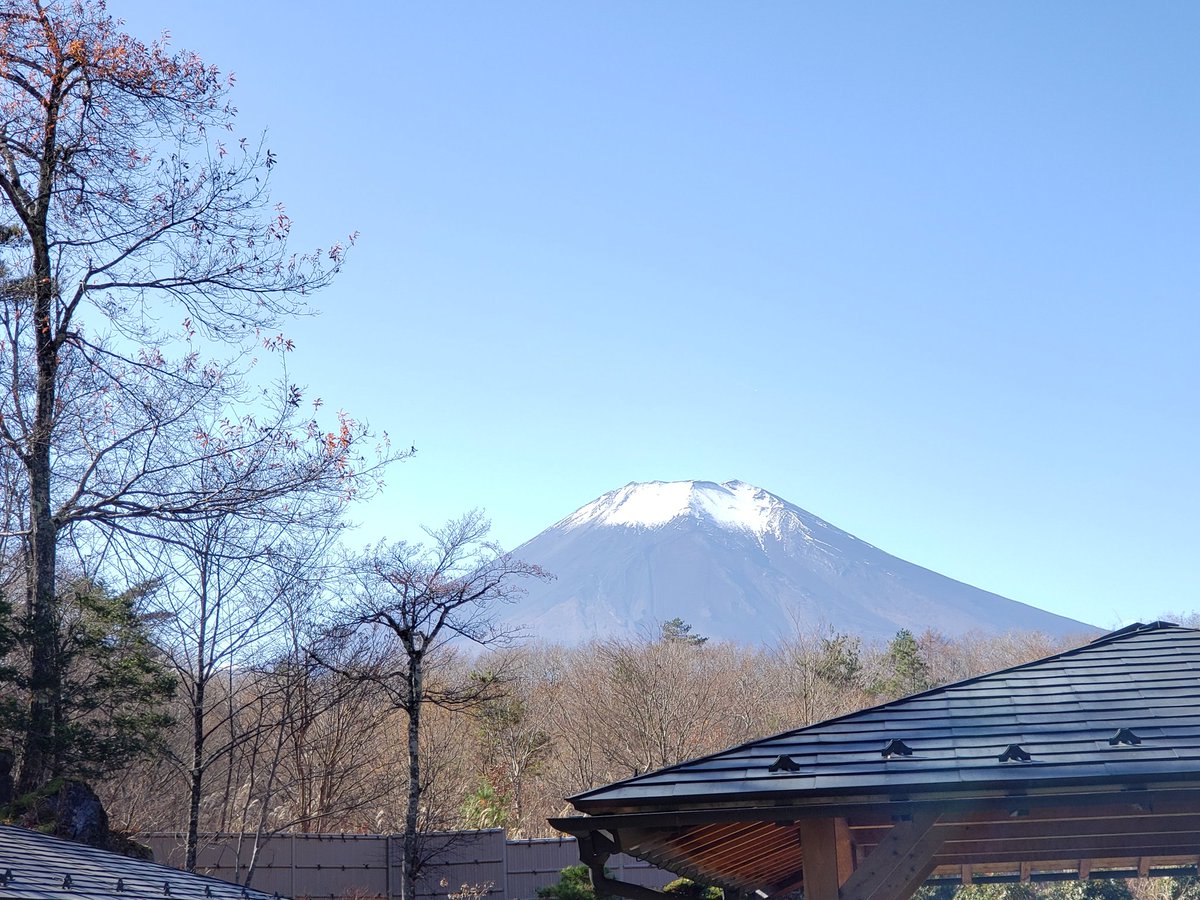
{"x": 847, "y": 853}
{"x": 828, "y": 857}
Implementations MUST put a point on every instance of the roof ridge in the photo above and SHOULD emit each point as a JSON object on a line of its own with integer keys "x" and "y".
{"x": 1138, "y": 628}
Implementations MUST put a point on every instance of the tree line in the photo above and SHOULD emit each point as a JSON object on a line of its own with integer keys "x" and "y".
{"x": 504, "y": 735}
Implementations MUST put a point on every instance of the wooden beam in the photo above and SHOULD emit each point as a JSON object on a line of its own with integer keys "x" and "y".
{"x": 1066, "y": 857}
{"x": 1085, "y": 869}
{"x": 1067, "y": 847}
{"x": 901, "y": 861}
{"x": 968, "y": 875}
{"x": 819, "y": 843}
{"x": 594, "y": 851}
{"x": 1026, "y": 870}
{"x": 847, "y": 855}
{"x": 1035, "y": 828}
{"x": 608, "y": 887}
{"x": 1144, "y": 867}
{"x": 1092, "y": 867}
{"x": 1160, "y": 807}
{"x": 1183, "y": 799}
{"x": 906, "y": 887}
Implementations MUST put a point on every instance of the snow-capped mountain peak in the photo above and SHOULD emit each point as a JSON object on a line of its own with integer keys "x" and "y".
{"x": 739, "y": 563}
{"x": 734, "y": 505}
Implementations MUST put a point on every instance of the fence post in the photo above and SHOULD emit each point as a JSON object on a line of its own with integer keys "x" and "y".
{"x": 387, "y": 864}
{"x": 504, "y": 863}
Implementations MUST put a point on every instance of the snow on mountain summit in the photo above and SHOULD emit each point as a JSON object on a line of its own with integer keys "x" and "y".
{"x": 733, "y": 504}
{"x": 743, "y": 564}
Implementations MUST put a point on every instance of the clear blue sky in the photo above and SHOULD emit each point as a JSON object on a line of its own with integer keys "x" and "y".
{"x": 928, "y": 270}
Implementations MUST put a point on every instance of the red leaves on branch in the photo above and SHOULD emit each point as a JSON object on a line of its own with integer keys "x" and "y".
{"x": 279, "y": 342}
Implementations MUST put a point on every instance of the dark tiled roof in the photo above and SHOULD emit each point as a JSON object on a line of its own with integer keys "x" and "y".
{"x": 35, "y": 866}
{"x": 1063, "y": 711}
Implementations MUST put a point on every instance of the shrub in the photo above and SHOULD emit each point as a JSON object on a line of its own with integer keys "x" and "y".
{"x": 574, "y": 883}
{"x": 685, "y": 887}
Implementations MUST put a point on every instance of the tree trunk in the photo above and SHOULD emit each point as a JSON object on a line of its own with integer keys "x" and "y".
{"x": 196, "y": 779}
{"x": 39, "y": 762}
{"x": 265, "y": 804}
{"x": 199, "y": 685}
{"x": 408, "y": 879}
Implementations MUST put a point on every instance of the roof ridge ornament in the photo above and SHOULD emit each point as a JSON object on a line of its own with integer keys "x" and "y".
{"x": 1124, "y": 736}
{"x": 896, "y": 747}
{"x": 1015, "y": 752}
{"x": 784, "y": 763}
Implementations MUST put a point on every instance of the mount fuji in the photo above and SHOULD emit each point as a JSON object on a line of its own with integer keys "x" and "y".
{"x": 739, "y": 563}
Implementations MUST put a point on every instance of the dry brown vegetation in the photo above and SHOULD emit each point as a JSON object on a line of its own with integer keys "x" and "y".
{"x": 314, "y": 752}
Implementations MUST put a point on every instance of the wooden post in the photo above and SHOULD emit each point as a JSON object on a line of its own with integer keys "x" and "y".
{"x": 828, "y": 857}
{"x": 847, "y": 853}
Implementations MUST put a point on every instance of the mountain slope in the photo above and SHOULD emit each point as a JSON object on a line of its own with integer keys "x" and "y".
{"x": 739, "y": 563}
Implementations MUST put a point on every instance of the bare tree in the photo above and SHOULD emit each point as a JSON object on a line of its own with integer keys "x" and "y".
{"x": 410, "y": 601}
{"x": 236, "y": 589}
{"x": 821, "y": 673}
{"x": 313, "y": 733}
{"x": 126, "y": 202}
{"x": 974, "y": 653}
{"x": 514, "y": 740}
{"x": 667, "y": 697}
{"x": 332, "y": 773}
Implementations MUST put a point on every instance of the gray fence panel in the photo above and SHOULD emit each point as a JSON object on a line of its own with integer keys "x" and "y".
{"x": 537, "y": 863}
{"x": 300, "y": 865}
{"x": 367, "y": 866}
{"x": 474, "y": 862}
